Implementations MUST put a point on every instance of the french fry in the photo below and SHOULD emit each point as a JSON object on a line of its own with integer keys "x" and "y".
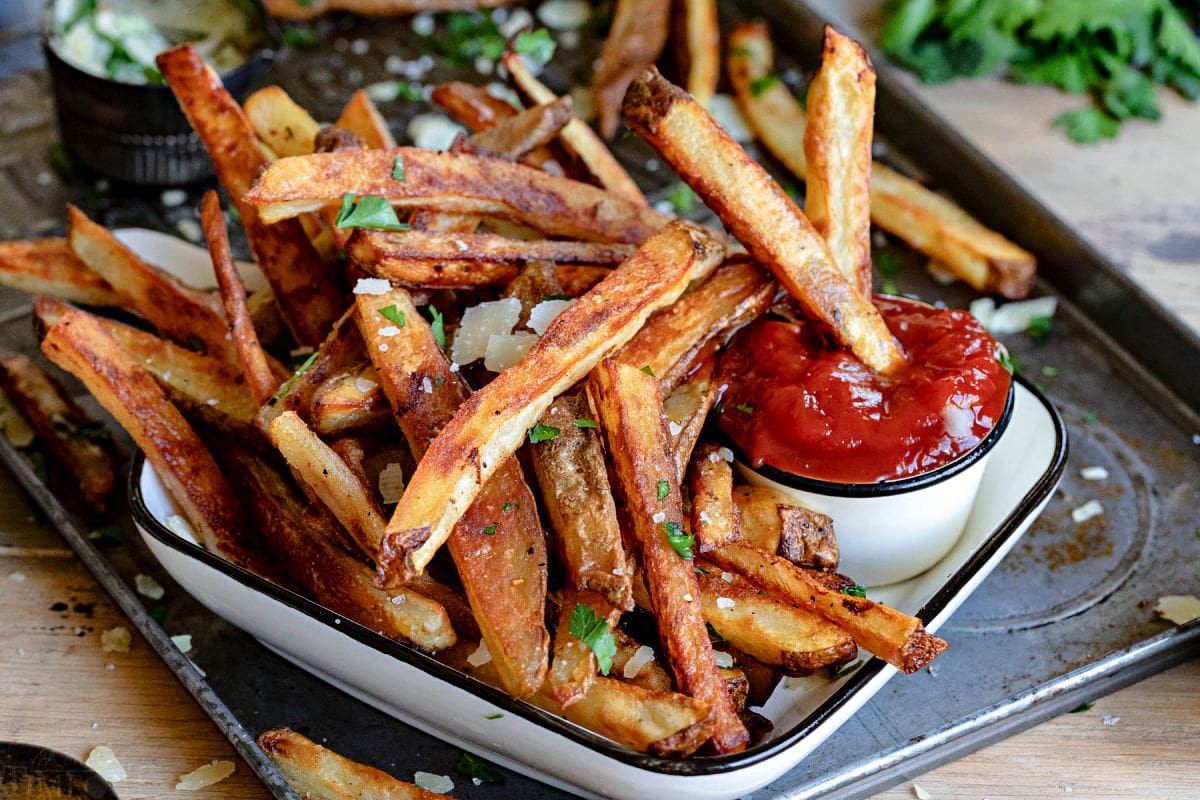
{"x": 573, "y": 665}
{"x": 577, "y": 279}
{"x": 281, "y": 124}
{"x": 497, "y": 544}
{"x": 635, "y": 40}
{"x": 80, "y": 345}
{"x": 895, "y": 637}
{"x": 629, "y": 405}
{"x": 651, "y": 675}
{"x": 262, "y": 376}
{"x": 342, "y": 351}
{"x": 265, "y": 316}
{"x": 702, "y": 43}
{"x": 317, "y": 773}
{"x": 362, "y": 118}
{"x": 759, "y": 214}
{"x": 491, "y": 425}
{"x": 183, "y": 314}
{"x": 50, "y": 267}
{"x": 351, "y": 402}
{"x": 472, "y": 105}
{"x": 795, "y": 641}
{"x": 807, "y": 538}
{"x": 452, "y": 182}
{"x": 687, "y": 409}
{"x": 579, "y": 139}
{"x": 74, "y": 439}
{"x": 924, "y": 219}
{"x": 737, "y": 292}
{"x": 307, "y": 9}
{"x": 303, "y": 285}
{"x": 837, "y": 146}
{"x": 758, "y": 512}
{"x": 516, "y": 137}
{"x": 714, "y": 515}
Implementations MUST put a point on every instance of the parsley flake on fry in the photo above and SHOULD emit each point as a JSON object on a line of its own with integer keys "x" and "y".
{"x": 542, "y": 433}
{"x": 585, "y": 423}
{"x": 393, "y": 314}
{"x": 398, "y": 169}
{"x": 680, "y": 541}
{"x": 593, "y": 631}
{"x": 371, "y": 212}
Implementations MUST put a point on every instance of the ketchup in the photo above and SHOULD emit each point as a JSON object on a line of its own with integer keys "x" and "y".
{"x": 794, "y": 404}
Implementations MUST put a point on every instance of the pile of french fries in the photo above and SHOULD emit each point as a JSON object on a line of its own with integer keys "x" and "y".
{"x": 538, "y": 506}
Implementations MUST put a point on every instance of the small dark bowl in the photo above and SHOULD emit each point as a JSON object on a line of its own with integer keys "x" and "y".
{"x": 136, "y": 133}
{"x": 27, "y": 766}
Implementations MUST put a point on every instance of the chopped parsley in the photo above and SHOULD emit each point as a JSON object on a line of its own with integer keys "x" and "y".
{"x": 536, "y": 44}
{"x": 889, "y": 288}
{"x": 439, "y": 380}
{"x": 371, "y": 212}
{"x": 303, "y": 368}
{"x": 438, "y": 325}
{"x": 475, "y": 767}
{"x": 847, "y": 670}
{"x": 1007, "y": 361}
{"x": 497, "y": 715}
{"x": 302, "y": 38}
{"x": 888, "y": 263}
{"x": 592, "y": 630}
{"x": 107, "y": 534}
{"x": 196, "y": 344}
{"x": 664, "y": 489}
{"x": 1090, "y": 418}
{"x": 542, "y": 433}
{"x": 857, "y": 590}
{"x": 760, "y": 85}
{"x": 745, "y": 408}
{"x": 1039, "y": 327}
{"x": 1079, "y": 709}
{"x": 682, "y": 198}
{"x": 490, "y": 530}
{"x": 393, "y": 314}
{"x": 580, "y": 422}
{"x": 1049, "y": 372}
{"x": 546, "y": 297}
{"x": 467, "y": 36}
{"x": 398, "y": 169}
{"x": 508, "y": 507}
{"x": 646, "y": 369}
{"x": 679, "y": 540}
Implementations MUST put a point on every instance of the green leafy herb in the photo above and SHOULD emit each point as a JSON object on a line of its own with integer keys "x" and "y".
{"x": 497, "y": 715}
{"x": 1039, "y": 327}
{"x": 369, "y": 212}
{"x": 1079, "y": 709}
{"x": 107, "y": 534}
{"x": 888, "y": 263}
{"x": 195, "y": 343}
{"x": 592, "y": 630}
{"x": 475, "y": 767}
{"x": 303, "y": 368}
{"x": 438, "y": 325}
{"x": 1007, "y": 361}
{"x": 682, "y": 198}
{"x": 490, "y": 530}
{"x": 235, "y": 216}
{"x": 760, "y": 85}
{"x": 664, "y": 489}
{"x": 745, "y": 408}
{"x": 468, "y": 35}
{"x": 301, "y": 38}
{"x": 398, "y": 169}
{"x": 439, "y": 380}
{"x": 700, "y": 570}
{"x": 646, "y": 369}
{"x": 679, "y": 540}
{"x": 556, "y": 297}
{"x": 1116, "y": 52}
{"x": 889, "y": 288}
{"x": 538, "y": 45}
{"x": 847, "y": 670}
{"x": 542, "y": 433}
{"x": 1090, "y": 418}
{"x": 507, "y": 507}
{"x": 580, "y": 422}
{"x": 393, "y": 314}
{"x": 94, "y": 431}
{"x": 1049, "y": 372}
{"x": 712, "y": 632}
{"x": 857, "y": 590}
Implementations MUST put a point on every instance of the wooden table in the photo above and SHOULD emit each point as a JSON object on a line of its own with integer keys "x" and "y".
{"x": 1137, "y": 198}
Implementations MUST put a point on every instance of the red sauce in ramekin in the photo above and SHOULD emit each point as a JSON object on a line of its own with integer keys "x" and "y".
{"x": 796, "y": 405}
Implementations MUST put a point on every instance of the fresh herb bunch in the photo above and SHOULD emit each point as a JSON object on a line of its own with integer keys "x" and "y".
{"x": 1114, "y": 50}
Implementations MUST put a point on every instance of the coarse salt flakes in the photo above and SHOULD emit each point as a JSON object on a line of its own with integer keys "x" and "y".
{"x": 426, "y": 385}
{"x": 363, "y": 385}
{"x": 658, "y": 517}
{"x": 372, "y": 286}
{"x": 564, "y": 15}
{"x": 725, "y": 602}
{"x": 726, "y": 454}
{"x": 189, "y": 229}
{"x": 1091, "y": 508}
{"x": 1109, "y": 720}
{"x": 389, "y": 330}
{"x": 422, "y": 24}
{"x": 481, "y": 655}
{"x": 640, "y": 658}
{"x": 727, "y": 577}
{"x": 674, "y": 427}
{"x": 722, "y": 659}
{"x": 687, "y": 598}
{"x": 173, "y": 197}
{"x": 183, "y": 641}
{"x": 1094, "y": 474}
{"x": 148, "y": 587}
{"x": 383, "y": 348}
{"x": 432, "y": 782}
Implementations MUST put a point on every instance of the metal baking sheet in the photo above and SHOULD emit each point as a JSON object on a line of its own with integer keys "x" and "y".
{"x": 1067, "y": 617}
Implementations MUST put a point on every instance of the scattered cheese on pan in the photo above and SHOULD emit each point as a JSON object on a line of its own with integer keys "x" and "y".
{"x": 116, "y": 640}
{"x": 919, "y": 793}
{"x": 1178, "y": 608}
{"x": 433, "y": 131}
{"x": 1011, "y": 317}
{"x": 479, "y": 324}
{"x": 431, "y": 782}
{"x": 104, "y": 761}
{"x": 182, "y": 528}
{"x": 183, "y": 641}
{"x": 148, "y": 587}
{"x": 372, "y": 286}
{"x": 723, "y": 660}
{"x": 541, "y": 315}
{"x": 564, "y": 15}
{"x": 640, "y": 658}
{"x": 205, "y": 776}
{"x": 725, "y": 602}
{"x": 1094, "y": 474}
{"x": 481, "y": 656}
{"x": 1091, "y": 508}
{"x": 1109, "y": 720}
{"x": 506, "y": 349}
{"x": 391, "y": 483}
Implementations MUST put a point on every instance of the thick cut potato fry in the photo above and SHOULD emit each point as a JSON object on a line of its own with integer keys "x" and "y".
{"x": 735, "y": 294}
{"x": 491, "y": 425}
{"x": 758, "y": 512}
{"x": 578, "y": 139}
{"x": 342, "y": 351}
{"x": 635, "y": 40}
{"x": 516, "y": 137}
{"x": 837, "y": 145}
{"x": 897, "y": 638}
{"x": 452, "y": 182}
{"x": 351, "y": 402}
{"x": 362, "y": 118}
{"x": 665, "y": 724}
{"x": 262, "y": 377}
{"x": 306, "y": 9}
{"x": 497, "y": 544}
{"x": 759, "y": 214}
{"x": 807, "y": 538}
{"x": 50, "y": 267}
{"x": 793, "y": 640}
{"x": 629, "y": 405}
{"x": 183, "y": 314}
{"x": 687, "y": 409}
{"x": 282, "y": 125}
{"x": 80, "y": 345}
{"x": 901, "y": 206}
{"x": 702, "y": 41}
{"x": 715, "y": 517}
{"x": 573, "y": 665}
{"x": 74, "y": 439}
{"x": 302, "y": 283}
{"x": 472, "y": 105}
{"x": 651, "y": 675}
{"x": 317, "y": 773}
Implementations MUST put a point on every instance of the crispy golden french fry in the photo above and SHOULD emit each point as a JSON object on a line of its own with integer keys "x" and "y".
{"x": 735, "y": 294}
{"x": 577, "y": 137}
{"x": 317, "y": 773}
{"x": 306, "y": 540}
{"x": 516, "y": 137}
{"x": 715, "y": 517}
{"x": 895, "y": 637}
{"x": 635, "y": 40}
{"x": 282, "y": 125}
{"x": 924, "y": 219}
{"x": 793, "y": 640}
{"x": 758, "y": 512}
{"x": 492, "y": 424}
{"x": 362, "y": 118}
{"x": 702, "y": 41}
{"x": 472, "y": 105}
{"x": 80, "y": 345}
{"x": 759, "y": 214}
{"x": 687, "y": 409}
{"x": 349, "y": 403}
{"x": 573, "y": 665}
{"x": 837, "y": 145}
{"x": 185, "y": 315}
{"x": 50, "y": 267}
{"x": 303, "y": 284}
{"x": 262, "y": 376}
{"x": 76, "y": 441}
{"x": 341, "y": 352}
{"x": 629, "y": 405}
{"x": 429, "y": 259}
{"x": 452, "y": 182}
{"x": 662, "y": 723}
{"x": 650, "y": 675}
{"x": 265, "y": 316}
{"x": 497, "y": 544}
{"x": 577, "y": 279}
{"x": 306, "y": 9}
